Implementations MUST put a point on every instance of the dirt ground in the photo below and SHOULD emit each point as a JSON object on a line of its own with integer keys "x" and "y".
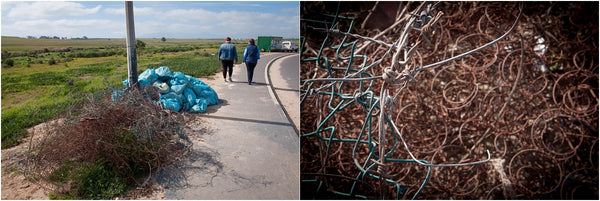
{"x": 15, "y": 184}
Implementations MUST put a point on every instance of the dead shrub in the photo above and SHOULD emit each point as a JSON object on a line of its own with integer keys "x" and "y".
{"x": 131, "y": 134}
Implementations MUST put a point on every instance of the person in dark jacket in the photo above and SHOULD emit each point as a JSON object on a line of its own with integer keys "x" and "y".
{"x": 227, "y": 54}
{"x": 251, "y": 57}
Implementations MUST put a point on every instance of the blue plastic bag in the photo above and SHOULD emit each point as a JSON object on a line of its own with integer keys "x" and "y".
{"x": 190, "y": 98}
{"x": 198, "y": 89}
{"x": 204, "y": 91}
{"x": 189, "y": 78}
{"x": 178, "y": 78}
{"x": 200, "y": 106}
{"x": 171, "y": 104}
{"x": 171, "y": 101}
{"x": 178, "y": 89}
{"x": 115, "y": 94}
{"x": 163, "y": 73}
{"x": 211, "y": 96}
{"x": 150, "y": 75}
{"x": 143, "y": 82}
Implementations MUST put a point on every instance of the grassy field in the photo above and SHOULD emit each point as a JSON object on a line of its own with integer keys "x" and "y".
{"x": 49, "y": 76}
{"x": 22, "y": 44}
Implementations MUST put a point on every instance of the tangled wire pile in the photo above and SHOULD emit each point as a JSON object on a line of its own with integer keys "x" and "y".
{"x": 393, "y": 90}
{"x": 132, "y": 135}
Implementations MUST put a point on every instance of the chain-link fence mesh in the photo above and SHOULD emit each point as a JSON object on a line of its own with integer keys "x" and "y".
{"x": 389, "y": 88}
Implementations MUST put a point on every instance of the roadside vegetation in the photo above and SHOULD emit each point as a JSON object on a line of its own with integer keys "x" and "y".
{"x": 43, "y": 78}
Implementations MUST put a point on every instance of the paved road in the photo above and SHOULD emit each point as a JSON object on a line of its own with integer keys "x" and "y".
{"x": 244, "y": 148}
{"x": 284, "y": 74}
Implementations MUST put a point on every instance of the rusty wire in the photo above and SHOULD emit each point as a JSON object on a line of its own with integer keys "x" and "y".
{"x": 547, "y": 133}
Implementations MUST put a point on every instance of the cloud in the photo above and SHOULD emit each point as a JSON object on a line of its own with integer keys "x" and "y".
{"x": 233, "y": 21}
{"x": 189, "y": 14}
{"x": 7, "y": 5}
{"x": 143, "y": 11}
{"x": 290, "y": 10}
{"x": 185, "y": 20}
{"x": 63, "y": 27}
{"x": 45, "y": 9}
{"x": 114, "y": 11}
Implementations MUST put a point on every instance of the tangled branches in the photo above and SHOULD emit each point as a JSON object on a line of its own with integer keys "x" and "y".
{"x": 131, "y": 134}
{"x": 529, "y": 95}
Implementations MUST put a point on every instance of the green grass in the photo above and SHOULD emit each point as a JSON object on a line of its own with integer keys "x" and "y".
{"x": 87, "y": 181}
{"x": 15, "y": 44}
{"x": 100, "y": 182}
{"x": 23, "y": 44}
{"x": 34, "y": 91}
{"x": 190, "y": 64}
{"x": 33, "y": 96}
{"x": 16, "y": 119}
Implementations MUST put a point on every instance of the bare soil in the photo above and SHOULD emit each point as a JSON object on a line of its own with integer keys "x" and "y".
{"x": 16, "y": 183}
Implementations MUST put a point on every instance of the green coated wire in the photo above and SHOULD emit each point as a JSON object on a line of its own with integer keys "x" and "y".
{"x": 365, "y": 97}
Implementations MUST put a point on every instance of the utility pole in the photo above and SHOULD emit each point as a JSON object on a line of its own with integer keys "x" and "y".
{"x": 131, "y": 56}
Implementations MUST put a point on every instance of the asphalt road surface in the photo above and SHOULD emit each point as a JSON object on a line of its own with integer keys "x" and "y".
{"x": 284, "y": 76}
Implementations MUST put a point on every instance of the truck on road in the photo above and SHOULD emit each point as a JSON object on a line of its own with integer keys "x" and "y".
{"x": 289, "y": 46}
{"x": 269, "y": 43}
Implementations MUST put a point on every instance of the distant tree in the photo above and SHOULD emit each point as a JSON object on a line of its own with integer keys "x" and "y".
{"x": 9, "y": 62}
{"x": 5, "y": 54}
{"x": 55, "y": 37}
{"x": 85, "y": 37}
{"x": 163, "y": 39}
{"x": 140, "y": 45}
{"x": 30, "y": 37}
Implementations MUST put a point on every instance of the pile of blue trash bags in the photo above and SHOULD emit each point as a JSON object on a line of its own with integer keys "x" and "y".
{"x": 177, "y": 91}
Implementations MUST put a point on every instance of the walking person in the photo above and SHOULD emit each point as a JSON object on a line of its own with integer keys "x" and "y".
{"x": 251, "y": 57}
{"x": 227, "y": 54}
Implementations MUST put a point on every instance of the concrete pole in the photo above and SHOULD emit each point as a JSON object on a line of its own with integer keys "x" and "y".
{"x": 131, "y": 55}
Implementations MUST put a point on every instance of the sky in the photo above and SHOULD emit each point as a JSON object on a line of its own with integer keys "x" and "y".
{"x": 153, "y": 19}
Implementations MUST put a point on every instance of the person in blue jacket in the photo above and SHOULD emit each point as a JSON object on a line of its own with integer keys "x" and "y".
{"x": 227, "y": 54}
{"x": 251, "y": 57}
